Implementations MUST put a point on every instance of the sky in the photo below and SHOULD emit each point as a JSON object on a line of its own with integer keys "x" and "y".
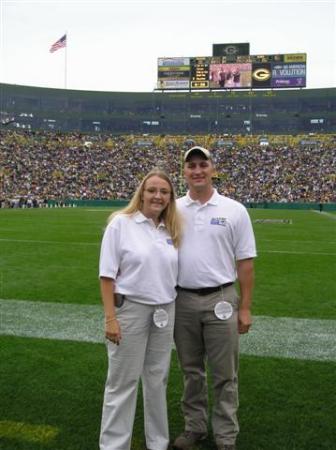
{"x": 114, "y": 45}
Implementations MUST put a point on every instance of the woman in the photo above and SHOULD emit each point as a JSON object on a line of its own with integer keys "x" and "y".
{"x": 138, "y": 274}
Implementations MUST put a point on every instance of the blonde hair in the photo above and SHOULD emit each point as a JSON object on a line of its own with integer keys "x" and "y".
{"x": 170, "y": 215}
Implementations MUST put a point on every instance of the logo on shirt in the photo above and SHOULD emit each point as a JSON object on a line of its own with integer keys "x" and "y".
{"x": 170, "y": 241}
{"x": 219, "y": 221}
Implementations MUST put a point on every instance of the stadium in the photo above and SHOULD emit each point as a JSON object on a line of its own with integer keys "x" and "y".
{"x": 274, "y": 112}
{"x": 153, "y": 129}
{"x": 70, "y": 157}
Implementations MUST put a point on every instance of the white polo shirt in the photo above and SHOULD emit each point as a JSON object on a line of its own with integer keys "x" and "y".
{"x": 141, "y": 258}
{"x": 216, "y": 235}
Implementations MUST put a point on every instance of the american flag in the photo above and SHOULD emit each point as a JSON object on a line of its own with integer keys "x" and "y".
{"x": 58, "y": 44}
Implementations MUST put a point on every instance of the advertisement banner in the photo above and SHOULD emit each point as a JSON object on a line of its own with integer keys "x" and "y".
{"x": 172, "y": 74}
{"x": 289, "y": 75}
{"x": 173, "y": 84}
{"x": 295, "y": 57}
{"x": 175, "y": 68}
{"x": 288, "y": 82}
{"x": 288, "y": 70}
{"x": 173, "y": 62}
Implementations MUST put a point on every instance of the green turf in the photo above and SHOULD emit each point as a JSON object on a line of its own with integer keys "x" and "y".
{"x": 284, "y": 404}
{"x": 51, "y": 391}
{"x": 295, "y": 270}
{"x": 52, "y": 255}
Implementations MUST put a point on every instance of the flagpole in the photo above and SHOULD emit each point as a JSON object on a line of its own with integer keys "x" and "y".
{"x": 65, "y": 61}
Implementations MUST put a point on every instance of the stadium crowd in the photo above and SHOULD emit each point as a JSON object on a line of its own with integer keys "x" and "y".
{"x": 36, "y": 167}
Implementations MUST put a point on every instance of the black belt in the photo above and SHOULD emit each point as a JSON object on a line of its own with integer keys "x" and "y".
{"x": 206, "y": 290}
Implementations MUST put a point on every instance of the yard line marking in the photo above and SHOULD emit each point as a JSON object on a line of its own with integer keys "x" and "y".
{"x": 296, "y": 252}
{"x": 286, "y": 337}
{"x": 107, "y": 209}
{"x": 282, "y": 337}
{"x": 51, "y": 320}
{"x": 326, "y": 214}
{"x": 318, "y": 241}
{"x": 32, "y": 241}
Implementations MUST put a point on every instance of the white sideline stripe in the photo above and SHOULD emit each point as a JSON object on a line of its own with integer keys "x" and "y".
{"x": 326, "y": 214}
{"x": 98, "y": 244}
{"x": 282, "y": 337}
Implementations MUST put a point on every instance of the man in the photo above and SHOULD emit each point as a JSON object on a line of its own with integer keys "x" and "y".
{"x": 218, "y": 246}
{"x": 222, "y": 75}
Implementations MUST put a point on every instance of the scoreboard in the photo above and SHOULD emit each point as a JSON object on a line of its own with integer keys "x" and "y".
{"x": 199, "y": 73}
{"x": 233, "y": 72}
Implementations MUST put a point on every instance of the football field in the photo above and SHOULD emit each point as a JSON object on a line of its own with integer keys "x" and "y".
{"x": 53, "y": 360}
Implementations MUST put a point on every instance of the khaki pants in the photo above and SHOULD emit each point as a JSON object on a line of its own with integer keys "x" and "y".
{"x": 202, "y": 339}
{"x": 144, "y": 351}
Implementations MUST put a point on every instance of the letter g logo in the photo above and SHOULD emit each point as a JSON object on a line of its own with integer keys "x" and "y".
{"x": 230, "y": 50}
{"x": 261, "y": 74}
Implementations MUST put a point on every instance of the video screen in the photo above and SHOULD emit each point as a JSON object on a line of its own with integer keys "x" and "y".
{"x": 230, "y": 76}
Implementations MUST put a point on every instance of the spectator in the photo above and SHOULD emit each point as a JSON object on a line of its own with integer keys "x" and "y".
{"x": 57, "y": 166}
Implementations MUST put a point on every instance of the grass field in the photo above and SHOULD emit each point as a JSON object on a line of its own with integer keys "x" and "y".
{"x": 51, "y": 389}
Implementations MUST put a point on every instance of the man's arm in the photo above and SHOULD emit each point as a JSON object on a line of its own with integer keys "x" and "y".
{"x": 245, "y": 272}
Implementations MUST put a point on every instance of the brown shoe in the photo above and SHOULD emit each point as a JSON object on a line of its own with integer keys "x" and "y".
{"x": 187, "y": 439}
{"x": 226, "y": 447}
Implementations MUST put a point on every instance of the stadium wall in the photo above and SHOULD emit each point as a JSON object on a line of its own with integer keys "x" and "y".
{"x": 264, "y": 205}
{"x": 235, "y": 112}
{"x": 87, "y": 203}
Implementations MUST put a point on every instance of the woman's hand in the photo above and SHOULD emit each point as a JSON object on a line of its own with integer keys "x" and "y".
{"x": 112, "y": 330}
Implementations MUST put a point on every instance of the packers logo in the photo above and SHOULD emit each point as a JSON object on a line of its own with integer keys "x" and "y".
{"x": 230, "y": 50}
{"x": 261, "y": 74}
